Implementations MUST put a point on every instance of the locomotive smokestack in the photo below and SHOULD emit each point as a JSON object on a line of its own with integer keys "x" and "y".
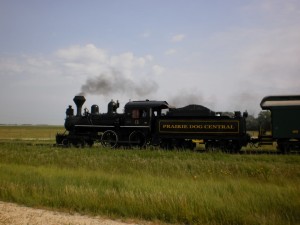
{"x": 79, "y": 100}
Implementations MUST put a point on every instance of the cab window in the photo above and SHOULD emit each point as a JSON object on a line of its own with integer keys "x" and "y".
{"x": 135, "y": 114}
{"x": 139, "y": 113}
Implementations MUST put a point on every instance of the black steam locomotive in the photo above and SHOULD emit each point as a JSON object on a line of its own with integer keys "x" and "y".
{"x": 154, "y": 123}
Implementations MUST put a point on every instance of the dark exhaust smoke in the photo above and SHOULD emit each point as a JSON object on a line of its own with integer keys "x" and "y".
{"x": 114, "y": 82}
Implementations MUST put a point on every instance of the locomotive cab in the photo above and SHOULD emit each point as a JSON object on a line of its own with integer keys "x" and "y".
{"x": 140, "y": 120}
{"x": 142, "y": 113}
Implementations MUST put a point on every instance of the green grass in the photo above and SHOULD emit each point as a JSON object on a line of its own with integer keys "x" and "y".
{"x": 181, "y": 187}
{"x": 167, "y": 186}
{"x": 29, "y": 132}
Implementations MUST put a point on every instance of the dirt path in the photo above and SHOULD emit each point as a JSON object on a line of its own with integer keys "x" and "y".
{"x": 13, "y": 214}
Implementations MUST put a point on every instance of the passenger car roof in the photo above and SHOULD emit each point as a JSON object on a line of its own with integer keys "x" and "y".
{"x": 270, "y": 102}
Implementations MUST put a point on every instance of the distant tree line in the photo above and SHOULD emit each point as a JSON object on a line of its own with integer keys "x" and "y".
{"x": 261, "y": 122}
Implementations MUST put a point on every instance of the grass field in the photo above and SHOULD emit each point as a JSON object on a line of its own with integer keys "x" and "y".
{"x": 181, "y": 187}
{"x": 29, "y": 132}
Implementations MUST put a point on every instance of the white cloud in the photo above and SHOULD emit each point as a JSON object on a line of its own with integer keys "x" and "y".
{"x": 127, "y": 62}
{"x": 149, "y": 57}
{"x": 251, "y": 62}
{"x": 76, "y": 61}
{"x": 278, "y": 6}
{"x": 87, "y": 53}
{"x": 146, "y": 34}
{"x": 239, "y": 66}
{"x": 170, "y": 51}
{"x": 45, "y": 80}
{"x": 272, "y": 59}
{"x": 90, "y": 61}
{"x": 178, "y": 37}
{"x": 276, "y": 12}
{"x": 158, "y": 69}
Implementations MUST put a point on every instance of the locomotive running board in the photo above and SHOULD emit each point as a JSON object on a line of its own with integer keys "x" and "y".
{"x": 92, "y": 126}
{"x": 136, "y": 126}
{"x": 112, "y": 126}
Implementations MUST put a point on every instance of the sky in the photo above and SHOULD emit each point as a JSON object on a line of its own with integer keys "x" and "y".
{"x": 225, "y": 55}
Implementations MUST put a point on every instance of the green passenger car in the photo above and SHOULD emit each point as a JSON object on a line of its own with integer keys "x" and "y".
{"x": 285, "y": 113}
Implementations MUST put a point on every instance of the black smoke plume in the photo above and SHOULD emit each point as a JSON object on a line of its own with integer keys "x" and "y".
{"x": 113, "y": 82}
